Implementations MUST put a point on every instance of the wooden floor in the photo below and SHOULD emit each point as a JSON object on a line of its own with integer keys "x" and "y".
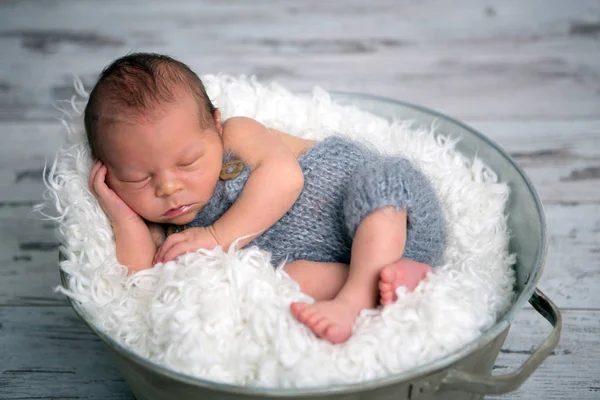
{"x": 524, "y": 72}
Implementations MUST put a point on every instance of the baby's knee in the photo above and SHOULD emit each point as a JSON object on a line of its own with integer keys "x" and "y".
{"x": 384, "y": 218}
{"x": 395, "y": 182}
{"x": 381, "y": 183}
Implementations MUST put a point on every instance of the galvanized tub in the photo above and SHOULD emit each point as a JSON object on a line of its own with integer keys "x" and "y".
{"x": 464, "y": 374}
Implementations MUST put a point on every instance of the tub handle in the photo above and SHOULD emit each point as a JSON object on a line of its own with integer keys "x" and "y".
{"x": 499, "y": 384}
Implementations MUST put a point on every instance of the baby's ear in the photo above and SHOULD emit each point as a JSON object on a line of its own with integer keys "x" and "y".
{"x": 217, "y": 119}
{"x": 93, "y": 157}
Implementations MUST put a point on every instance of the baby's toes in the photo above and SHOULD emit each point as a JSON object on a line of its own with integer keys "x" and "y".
{"x": 298, "y": 309}
{"x": 312, "y": 318}
{"x": 321, "y": 326}
{"x": 388, "y": 274}
{"x": 308, "y": 314}
{"x": 335, "y": 334}
{"x": 386, "y": 293}
{"x": 385, "y": 300}
{"x": 384, "y": 286}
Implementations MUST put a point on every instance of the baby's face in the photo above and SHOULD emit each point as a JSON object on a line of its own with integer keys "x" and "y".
{"x": 165, "y": 170}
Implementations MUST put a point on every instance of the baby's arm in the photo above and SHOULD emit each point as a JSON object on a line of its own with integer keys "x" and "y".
{"x": 135, "y": 244}
{"x": 272, "y": 188}
{"x": 275, "y": 182}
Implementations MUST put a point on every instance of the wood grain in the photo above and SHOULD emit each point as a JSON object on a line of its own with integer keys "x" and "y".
{"x": 561, "y": 157}
{"x": 47, "y": 352}
{"x": 571, "y": 372}
{"x": 468, "y": 59}
{"x": 28, "y": 259}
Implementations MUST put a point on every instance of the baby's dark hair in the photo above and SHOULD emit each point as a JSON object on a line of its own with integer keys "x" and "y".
{"x": 137, "y": 83}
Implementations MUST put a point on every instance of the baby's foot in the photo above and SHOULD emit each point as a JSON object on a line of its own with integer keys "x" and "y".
{"x": 331, "y": 320}
{"x": 403, "y": 272}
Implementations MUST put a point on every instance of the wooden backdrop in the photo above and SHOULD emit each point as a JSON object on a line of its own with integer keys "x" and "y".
{"x": 524, "y": 72}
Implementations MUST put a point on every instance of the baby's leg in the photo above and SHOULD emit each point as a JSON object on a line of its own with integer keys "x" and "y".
{"x": 324, "y": 280}
{"x": 379, "y": 241}
{"x": 319, "y": 280}
{"x": 378, "y": 195}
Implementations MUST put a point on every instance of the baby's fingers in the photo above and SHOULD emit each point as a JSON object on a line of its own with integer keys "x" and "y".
{"x": 100, "y": 188}
{"x": 179, "y": 249}
{"x": 169, "y": 243}
{"x": 93, "y": 172}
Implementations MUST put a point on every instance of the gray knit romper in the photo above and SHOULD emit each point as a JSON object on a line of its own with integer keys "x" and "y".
{"x": 343, "y": 182}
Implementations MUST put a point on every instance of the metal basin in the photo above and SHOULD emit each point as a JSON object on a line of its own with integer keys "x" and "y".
{"x": 464, "y": 374}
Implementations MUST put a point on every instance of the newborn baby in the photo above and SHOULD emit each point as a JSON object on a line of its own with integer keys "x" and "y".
{"x": 350, "y": 225}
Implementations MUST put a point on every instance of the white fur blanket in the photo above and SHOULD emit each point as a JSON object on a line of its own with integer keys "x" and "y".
{"x": 224, "y": 316}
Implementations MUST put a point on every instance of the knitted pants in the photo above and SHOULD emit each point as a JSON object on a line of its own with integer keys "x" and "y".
{"x": 344, "y": 181}
{"x": 394, "y": 181}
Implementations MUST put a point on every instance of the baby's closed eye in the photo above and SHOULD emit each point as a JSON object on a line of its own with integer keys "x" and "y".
{"x": 137, "y": 182}
{"x": 189, "y": 163}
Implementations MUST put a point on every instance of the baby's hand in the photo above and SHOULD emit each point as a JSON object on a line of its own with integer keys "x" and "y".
{"x": 190, "y": 239}
{"x": 117, "y": 210}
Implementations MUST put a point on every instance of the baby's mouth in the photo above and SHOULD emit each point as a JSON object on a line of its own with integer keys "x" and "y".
{"x": 173, "y": 212}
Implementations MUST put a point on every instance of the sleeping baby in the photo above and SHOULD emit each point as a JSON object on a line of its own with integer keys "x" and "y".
{"x": 348, "y": 224}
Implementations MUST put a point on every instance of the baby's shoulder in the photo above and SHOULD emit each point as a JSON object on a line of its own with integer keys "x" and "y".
{"x": 241, "y": 131}
{"x": 244, "y": 131}
{"x": 237, "y": 124}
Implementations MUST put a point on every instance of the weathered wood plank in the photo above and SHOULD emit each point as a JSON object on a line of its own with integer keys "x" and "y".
{"x": 467, "y": 59}
{"x": 50, "y": 353}
{"x": 47, "y": 352}
{"x": 28, "y": 259}
{"x": 571, "y": 276}
{"x": 25, "y": 149}
{"x": 573, "y": 369}
{"x": 495, "y": 20}
{"x": 561, "y": 157}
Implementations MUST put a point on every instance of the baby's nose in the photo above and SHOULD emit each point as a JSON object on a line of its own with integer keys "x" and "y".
{"x": 168, "y": 187}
